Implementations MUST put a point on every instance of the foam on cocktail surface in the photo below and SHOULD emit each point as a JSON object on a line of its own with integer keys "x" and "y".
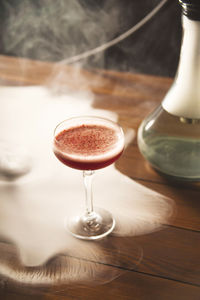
{"x": 110, "y": 141}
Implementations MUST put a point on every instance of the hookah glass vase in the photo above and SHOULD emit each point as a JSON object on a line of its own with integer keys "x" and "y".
{"x": 169, "y": 138}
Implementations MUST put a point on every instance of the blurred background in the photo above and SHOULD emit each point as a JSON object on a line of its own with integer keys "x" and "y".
{"x": 50, "y": 30}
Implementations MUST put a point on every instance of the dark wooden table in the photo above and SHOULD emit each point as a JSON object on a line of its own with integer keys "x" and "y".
{"x": 169, "y": 267}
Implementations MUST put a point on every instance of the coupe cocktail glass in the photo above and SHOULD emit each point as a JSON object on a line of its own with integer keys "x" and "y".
{"x": 89, "y": 143}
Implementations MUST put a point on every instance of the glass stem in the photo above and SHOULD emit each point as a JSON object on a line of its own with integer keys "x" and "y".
{"x": 87, "y": 177}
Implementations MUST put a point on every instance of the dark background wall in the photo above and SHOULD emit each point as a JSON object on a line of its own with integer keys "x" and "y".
{"x": 56, "y": 30}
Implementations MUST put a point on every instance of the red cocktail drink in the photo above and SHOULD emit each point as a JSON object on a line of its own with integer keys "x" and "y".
{"x": 88, "y": 144}
{"x": 88, "y": 147}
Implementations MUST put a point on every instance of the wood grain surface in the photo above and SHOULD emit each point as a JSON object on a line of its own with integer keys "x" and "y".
{"x": 169, "y": 265}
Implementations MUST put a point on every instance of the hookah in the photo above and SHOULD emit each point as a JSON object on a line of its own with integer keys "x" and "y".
{"x": 169, "y": 138}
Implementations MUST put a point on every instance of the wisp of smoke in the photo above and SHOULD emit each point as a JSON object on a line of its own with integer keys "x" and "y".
{"x": 54, "y": 30}
{"x": 34, "y": 207}
{"x": 37, "y": 248}
{"x": 72, "y": 30}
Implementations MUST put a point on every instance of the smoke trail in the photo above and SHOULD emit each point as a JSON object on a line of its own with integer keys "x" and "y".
{"x": 45, "y": 197}
{"x": 65, "y": 31}
{"x": 54, "y": 30}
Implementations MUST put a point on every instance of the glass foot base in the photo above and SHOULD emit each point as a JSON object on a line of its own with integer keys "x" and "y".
{"x": 93, "y": 226}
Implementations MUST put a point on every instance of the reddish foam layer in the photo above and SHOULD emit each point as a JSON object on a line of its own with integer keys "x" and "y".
{"x": 88, "y": 147}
